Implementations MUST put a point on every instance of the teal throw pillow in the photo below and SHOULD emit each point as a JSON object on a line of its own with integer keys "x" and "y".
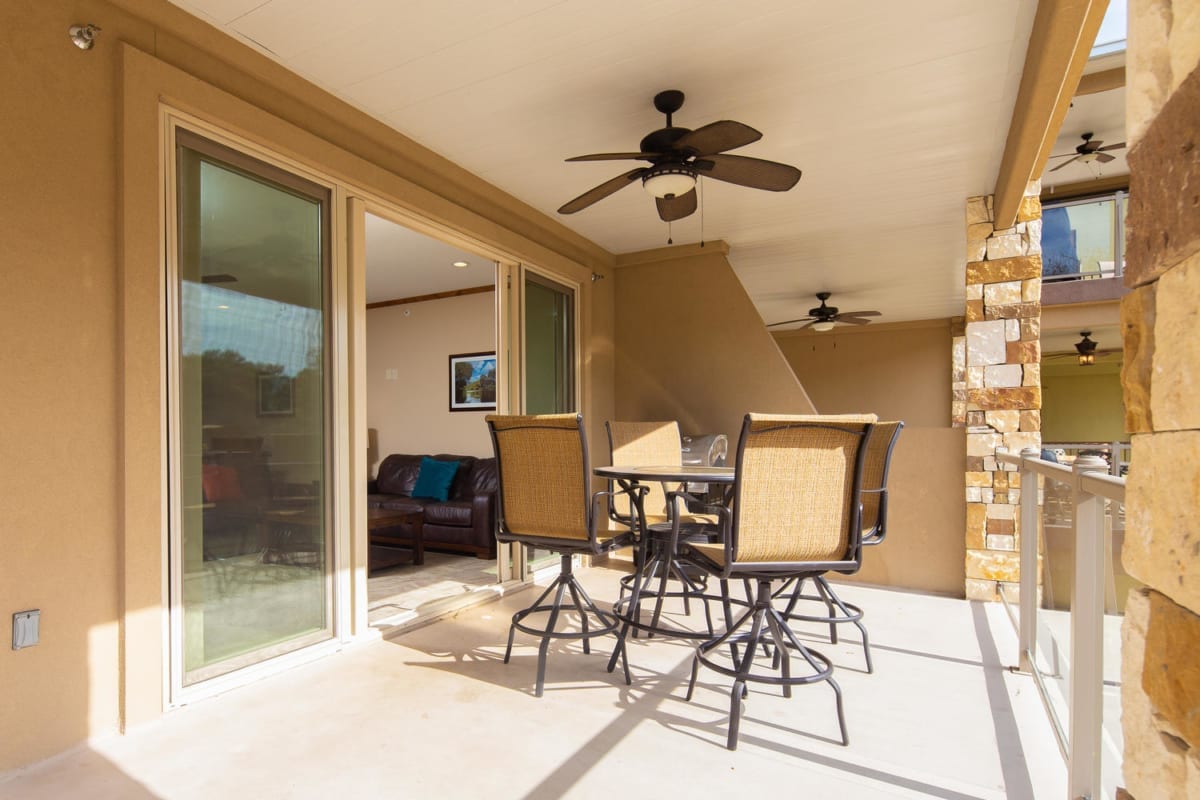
{"x": 434, "y": 479}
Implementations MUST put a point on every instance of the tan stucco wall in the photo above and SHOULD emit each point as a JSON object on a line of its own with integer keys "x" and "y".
{"x": 691, "y": 346}
{"x": 81, "y": 277}
{"x": 411, "y": 413}
{"x": 899, "y": 371}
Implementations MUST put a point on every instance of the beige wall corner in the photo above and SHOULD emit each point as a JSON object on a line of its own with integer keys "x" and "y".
{"x": 898, "y": 371}
{"x": 691, "y": 346}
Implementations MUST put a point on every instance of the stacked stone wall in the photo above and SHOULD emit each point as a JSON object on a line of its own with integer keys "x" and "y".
{"x": 997, "y": 384}
{"x": 1160, "y": 687}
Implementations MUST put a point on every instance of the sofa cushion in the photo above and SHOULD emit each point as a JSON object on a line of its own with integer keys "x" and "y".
{"x": 455, "y": 512}
{"x": 398, "y": 474}
{"x": 398, "y": 503}
{"x": 434, "y": 479}
{"x": 482, "y": 479}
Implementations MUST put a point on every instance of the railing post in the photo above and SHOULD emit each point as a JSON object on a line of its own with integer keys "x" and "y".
{"x": 1087, "y": 634}
{"x": 1027, "y": 624}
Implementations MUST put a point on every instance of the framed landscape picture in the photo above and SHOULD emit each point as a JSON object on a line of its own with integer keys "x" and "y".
{"x": 473, "y": 382}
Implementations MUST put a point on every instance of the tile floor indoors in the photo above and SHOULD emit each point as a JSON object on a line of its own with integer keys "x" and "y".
{"x": 434, "y": 713}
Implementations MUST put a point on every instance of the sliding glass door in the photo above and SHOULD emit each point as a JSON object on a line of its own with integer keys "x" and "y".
{"x": 549, "y": 359}
{"x": 249, "y": 417}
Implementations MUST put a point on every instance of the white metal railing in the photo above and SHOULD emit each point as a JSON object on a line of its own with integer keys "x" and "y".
{"x": 1090, "y": 486}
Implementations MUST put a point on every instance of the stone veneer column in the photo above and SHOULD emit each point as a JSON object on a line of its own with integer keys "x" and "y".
{"x": 997, "y": 384}
{"x": 1160, "y": 658}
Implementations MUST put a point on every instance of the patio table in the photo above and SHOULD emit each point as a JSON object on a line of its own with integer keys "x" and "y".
{"x": 657, "y": 551}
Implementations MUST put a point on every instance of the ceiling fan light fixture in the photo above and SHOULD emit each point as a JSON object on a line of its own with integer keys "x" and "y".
{"x": 672, "y": 180}
{"x": 823, "y": 325}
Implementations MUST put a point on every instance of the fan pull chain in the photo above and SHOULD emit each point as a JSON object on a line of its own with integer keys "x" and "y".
{"x": 700, "y": 185}
{"x": 669, "y": 241}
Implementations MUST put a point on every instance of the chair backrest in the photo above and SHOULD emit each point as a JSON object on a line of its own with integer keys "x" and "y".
{"x": 644, "y": 444}
{"x": 798, "y": 486}
{"x": 875, "y": 476}
{"x": 544, "y": 475}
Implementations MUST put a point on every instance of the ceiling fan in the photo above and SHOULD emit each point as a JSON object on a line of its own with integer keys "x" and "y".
{"x": 824, "y": 317}
{"x": 1089, "y": 151}
{"x": 678, "y": 156}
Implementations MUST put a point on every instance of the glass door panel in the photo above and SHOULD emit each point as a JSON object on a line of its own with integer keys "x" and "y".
{"x": 252, "y": 489}
{"x": 549, "y": 362}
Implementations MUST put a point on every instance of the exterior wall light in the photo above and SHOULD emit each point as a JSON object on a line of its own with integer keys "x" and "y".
{"x": 83, "y": 36}
{"x": 1087, "y": 349}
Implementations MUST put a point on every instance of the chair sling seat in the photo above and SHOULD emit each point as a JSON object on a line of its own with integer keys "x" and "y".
{"x": 796, "y": 514}
{"x": 874, "y": 530}
{"x": 545, "y": 502}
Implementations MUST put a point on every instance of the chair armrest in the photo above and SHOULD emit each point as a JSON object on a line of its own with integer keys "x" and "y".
{"x": 373, "y": 486}
{"x": 879, "y": 532}
{"x": 634, "y": 522}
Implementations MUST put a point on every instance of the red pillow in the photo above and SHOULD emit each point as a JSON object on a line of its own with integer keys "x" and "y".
{"x": 220, "y": 483}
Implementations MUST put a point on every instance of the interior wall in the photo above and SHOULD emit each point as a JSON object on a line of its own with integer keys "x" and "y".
{"x": 81, "y": 275}
{"x": 1082, "y": 404}
{"x": 410, "y": 413}
{"x": 691, "y": 346}
{"x": 899, "y": 372}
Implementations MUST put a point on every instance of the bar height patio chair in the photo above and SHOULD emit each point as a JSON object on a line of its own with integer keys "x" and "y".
{"x": 545, "y": 501}
{"x": 874, "y": 530}
{"x": 657, "y": 444}
{"x": 796, "y": 513}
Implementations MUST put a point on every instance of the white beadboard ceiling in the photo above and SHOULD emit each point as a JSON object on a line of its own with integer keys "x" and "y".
{"x": 895, "y": 112}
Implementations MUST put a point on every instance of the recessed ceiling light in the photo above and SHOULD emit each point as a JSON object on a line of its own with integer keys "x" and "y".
{"x": 461, "y": 264}
{"x": 223, "y": 308}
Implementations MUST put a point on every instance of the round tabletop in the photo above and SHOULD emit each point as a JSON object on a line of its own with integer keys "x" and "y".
{"x": 666, "y": 473}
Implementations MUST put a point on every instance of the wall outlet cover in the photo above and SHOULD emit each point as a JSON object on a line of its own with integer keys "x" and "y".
{"x": 25, "y": 628}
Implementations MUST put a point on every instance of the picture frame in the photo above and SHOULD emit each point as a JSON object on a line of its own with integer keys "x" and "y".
{"x": 473, "y": 381}
{"x": 276, "y": 395}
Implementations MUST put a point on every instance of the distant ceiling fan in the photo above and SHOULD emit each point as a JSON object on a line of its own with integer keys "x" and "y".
{"x": 1089, "y": 151}
{"x": 678, "y": 156}
{"x": 824, "y": 317}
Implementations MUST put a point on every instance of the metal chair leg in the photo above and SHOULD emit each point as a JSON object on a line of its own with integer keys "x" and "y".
{"x": 768, "y": 630}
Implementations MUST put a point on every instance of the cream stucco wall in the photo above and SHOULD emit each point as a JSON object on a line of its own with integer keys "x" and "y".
{"x": 411, "y": 412}
{"x": 899, "y": 371}
{"x": 82, "y": 277}
{"x": 691, "y": 346}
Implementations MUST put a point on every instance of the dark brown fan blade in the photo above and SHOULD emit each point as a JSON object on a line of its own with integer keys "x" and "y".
{"x": 615, "y": 157}
{"x": 858, "y": 314}
{"x": 1063, "y": 164}
{"x": 1104, "y": 158}
{"x": 1116, "y": 146}
{"x": 673, "y": 208}
{"x": 602, "y": 191}
{"x": 788, "y": 322}
{"x": 851, "y": 320}
{"x": 753, "y": 172}
{"x": 717, "y": 137}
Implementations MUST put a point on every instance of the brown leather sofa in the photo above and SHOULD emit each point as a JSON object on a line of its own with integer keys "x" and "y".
{"x": 464, "y": 522}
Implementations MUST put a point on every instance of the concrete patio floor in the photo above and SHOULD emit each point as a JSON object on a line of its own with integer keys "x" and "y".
{"x": 434, "y": 713}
